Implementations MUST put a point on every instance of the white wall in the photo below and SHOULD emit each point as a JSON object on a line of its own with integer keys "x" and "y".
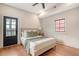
{"x": 26, "y": 19}
{"x": 1, "y": 32}
{"x": 71, "y": 35}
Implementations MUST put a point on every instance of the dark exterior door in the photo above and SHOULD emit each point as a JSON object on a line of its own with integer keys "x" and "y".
{"x": 10, "y": 31}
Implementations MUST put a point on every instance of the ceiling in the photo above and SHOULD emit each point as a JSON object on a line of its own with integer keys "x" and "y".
{"x": 34, "y": 9}
{"x": 49, "y": 7}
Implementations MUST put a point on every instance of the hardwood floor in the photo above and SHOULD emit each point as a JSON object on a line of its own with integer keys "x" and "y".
{"x": 60, "y": 50}
{"x": 15, "y": 50}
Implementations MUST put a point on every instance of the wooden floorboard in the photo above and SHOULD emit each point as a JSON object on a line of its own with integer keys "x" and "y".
{"x": 62, "y": 50}
{"x": 14, "y": 50}
{"x": 59, "y": 50}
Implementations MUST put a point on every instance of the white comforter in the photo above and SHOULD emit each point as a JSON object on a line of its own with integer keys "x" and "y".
{"x": 40, "y": 44}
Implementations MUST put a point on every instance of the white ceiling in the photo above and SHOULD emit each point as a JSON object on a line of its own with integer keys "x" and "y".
{"x": 49, "y": 9}
{"x": 34, "y": 9}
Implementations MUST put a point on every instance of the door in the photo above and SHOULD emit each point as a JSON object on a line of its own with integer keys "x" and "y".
{"x": 10, "y": 31}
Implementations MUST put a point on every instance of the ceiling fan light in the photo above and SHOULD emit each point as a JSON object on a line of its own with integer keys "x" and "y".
{"x": 42, "y": 13}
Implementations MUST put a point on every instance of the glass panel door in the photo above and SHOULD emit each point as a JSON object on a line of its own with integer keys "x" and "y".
{"x": 10, "y": 30}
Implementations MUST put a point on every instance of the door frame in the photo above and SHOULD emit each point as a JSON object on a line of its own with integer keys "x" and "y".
{"x": 4, "y": 27}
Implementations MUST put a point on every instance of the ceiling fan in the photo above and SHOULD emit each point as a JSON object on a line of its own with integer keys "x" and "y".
{"x": 43, "y": 5}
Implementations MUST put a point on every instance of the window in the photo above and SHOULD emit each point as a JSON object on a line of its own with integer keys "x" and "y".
{"x": 10, "y": 27}
{"x": 60, "y": 25}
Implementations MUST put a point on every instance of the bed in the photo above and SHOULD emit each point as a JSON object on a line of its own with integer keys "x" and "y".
{"x": 40, "y": 46}
{"x": 36, "y": 44}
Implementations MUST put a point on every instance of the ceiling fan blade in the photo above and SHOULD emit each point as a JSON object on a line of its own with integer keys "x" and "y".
{"x": 34, "y": 4}
{"x": 43, "y": 5}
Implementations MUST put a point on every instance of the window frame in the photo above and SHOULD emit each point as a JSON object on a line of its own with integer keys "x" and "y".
{"x": 59, "y": 25}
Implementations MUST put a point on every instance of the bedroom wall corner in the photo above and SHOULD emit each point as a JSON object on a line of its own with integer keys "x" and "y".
{"x": 71, "y": 35}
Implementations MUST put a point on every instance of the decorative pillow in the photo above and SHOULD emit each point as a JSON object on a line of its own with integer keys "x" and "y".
{"x": 33, "y": 33}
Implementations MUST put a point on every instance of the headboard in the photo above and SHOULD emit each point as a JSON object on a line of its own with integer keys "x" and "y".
{"x": 31, "y": 32}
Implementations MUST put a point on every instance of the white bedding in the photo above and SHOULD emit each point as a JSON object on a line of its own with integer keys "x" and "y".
{"x": 41, "y": 44}
{"x": 36, "y": 45}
